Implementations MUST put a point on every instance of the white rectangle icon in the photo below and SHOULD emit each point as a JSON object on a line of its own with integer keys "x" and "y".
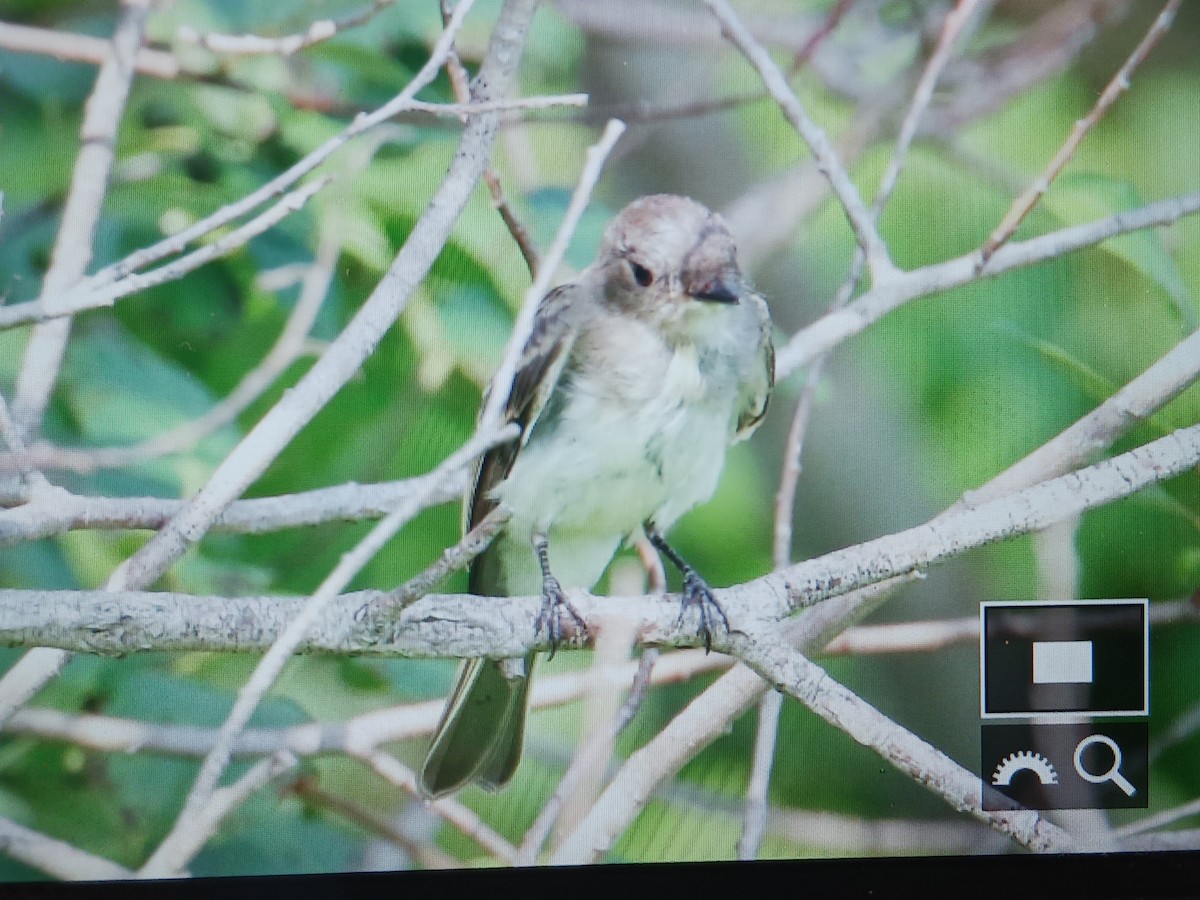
{"x": 1062, "y": 662}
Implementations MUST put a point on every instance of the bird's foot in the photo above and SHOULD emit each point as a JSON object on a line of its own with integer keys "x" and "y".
{"x": 555, "y": 608}
{"x": 698, "y": 595}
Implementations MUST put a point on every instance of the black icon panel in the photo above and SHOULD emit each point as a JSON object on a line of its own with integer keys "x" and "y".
{"x": 1085, "y": 765}
{"x": 1074, "y": 657}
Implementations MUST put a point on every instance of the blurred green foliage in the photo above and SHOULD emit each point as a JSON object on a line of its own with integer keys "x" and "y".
{"x": 930, "y": 402}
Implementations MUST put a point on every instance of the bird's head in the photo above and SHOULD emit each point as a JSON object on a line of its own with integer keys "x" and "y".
{"x": 670, "y": 261}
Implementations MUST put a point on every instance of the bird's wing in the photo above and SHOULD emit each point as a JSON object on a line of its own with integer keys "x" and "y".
{"x": 759, "y": 393}
{"x": 536, "y": 374}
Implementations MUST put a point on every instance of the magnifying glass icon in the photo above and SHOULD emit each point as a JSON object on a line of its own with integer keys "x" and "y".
{"x": 1113, "y": 773}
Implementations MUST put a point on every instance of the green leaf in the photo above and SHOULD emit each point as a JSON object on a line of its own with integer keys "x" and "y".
{"x": 1076, "y": 199}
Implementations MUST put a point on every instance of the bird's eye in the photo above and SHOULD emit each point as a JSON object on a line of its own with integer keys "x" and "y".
{"x": 641, "y": 274}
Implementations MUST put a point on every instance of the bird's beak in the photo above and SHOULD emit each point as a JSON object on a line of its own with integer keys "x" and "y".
{"x": 718, "y": 291}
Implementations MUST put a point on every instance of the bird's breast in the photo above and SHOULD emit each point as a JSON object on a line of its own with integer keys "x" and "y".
{"x": 639, "y": 432}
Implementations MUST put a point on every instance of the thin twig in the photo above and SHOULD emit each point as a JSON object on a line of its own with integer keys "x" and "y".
{"x": 56, "y": 858}
{"x": 523, "y": 326}
{"x": 790, "y": 671}
{"x": 1022, "y": 206}
{"x": 356, "y": 735}
{"x": 286, "y": 45}
{"x": 952, "y": 28}
{"x": 81, "y": 215}
{"x": 460, "y": 83}
{"x": 754, "y": 814}
{"x": 172, "y": 856}
{"x": 818, "y": 37}
{"x": 427, "y": 854}
{"x": 878, "y": 261}
{"x": 835, "y": 327}
{"x": 268, "y": 669}
{"x": 453, "y": 558}
{"x": 280, "y": 183}
{"x": 456, "y": 813}
{"x": 76, "y": 301}
{"x": 51, "y": 510}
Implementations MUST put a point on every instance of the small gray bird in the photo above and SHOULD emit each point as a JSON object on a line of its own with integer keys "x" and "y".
{"x": 634, "y": 381}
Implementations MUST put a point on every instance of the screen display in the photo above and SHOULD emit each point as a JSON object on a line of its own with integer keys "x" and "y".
{"x": 498, "y": 434}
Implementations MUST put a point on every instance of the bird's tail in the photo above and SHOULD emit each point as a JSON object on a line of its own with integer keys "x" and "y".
{"x": 483, "y": 728}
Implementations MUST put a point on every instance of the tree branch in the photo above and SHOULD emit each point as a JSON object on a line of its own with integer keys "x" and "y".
{"x": 837, "y": 326}
{"x": 85, "y": 198}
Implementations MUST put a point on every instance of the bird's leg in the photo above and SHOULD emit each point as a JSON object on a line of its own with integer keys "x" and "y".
{"x": 554, "y": 600}
{"x": 696, "y": 592}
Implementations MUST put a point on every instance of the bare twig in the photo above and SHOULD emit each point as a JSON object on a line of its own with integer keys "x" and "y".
{"x": 1166, "y": 817}
{"x": 165, "y": 858}
{"x": 83, "y": 48}
{"x": 460, "y": 83}
{"x": 754, "y": 815}
{"x": 593, "y": 164}
{"x": 1134, "y": 403}
{"x": 172, "y": 855}
{"x": 878, "y": 261}
{"x": 952, "y": 28}
{"x": 789, "y": 477}
{"x": 77, "y": 301}
{"x": 280, "y": 183}
{"x": 453, "y": 811}
{"x": 818, "y": 37}
{"x": 56, "y": 858}
{"x": 453, "y": 558}
{"x": 791, "y": 672}
{"x": 73, "y": 244}
{"x": 1022, "y": 206}
{"x": 425, "y": 853}
{"x": 832, "y": 329}
{"x": 356, "y": 735}
{"x": 286, "y": 45}
{"x": 52, "y": 510}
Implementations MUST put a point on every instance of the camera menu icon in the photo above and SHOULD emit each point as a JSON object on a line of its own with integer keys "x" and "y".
{"x": 1085, "y": 765}
{"x": 1045, "y": 658}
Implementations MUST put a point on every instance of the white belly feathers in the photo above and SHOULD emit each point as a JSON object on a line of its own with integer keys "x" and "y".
{"x": 622, "y": 449}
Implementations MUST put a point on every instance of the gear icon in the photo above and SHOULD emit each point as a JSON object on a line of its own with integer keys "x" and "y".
{"x": 1028, "y": 761}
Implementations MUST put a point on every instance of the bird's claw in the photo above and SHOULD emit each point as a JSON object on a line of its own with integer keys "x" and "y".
{"x": 550, "y": 618}
{"x": 698, "y": 595}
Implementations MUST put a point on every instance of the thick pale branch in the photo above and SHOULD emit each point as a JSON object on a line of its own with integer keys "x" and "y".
{"x": 789, "y": 671}
{"x": 467, "y": 626}
{"x": 1025, "y": 511}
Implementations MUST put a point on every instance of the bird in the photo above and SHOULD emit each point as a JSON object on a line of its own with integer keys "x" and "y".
{"x": 636, "y": 378}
